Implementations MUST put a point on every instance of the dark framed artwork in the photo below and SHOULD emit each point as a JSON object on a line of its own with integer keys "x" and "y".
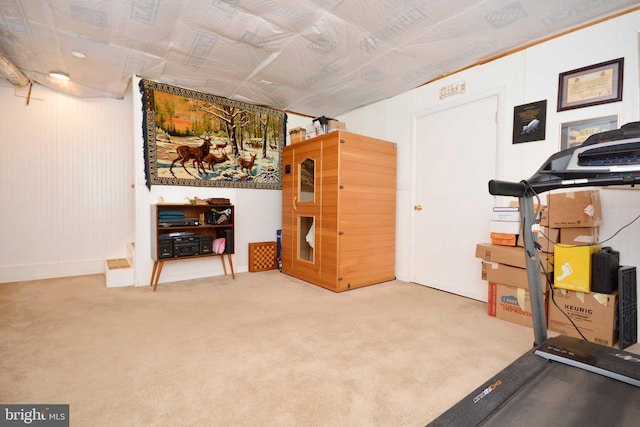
{"x": 593, "y": 85}
{"x": 575, "y": 133}
{"x": 530, "y": 122}
{"x": 196, "y": 139}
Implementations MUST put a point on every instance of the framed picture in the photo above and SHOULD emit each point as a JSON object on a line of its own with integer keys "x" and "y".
{"x": 529, "y": 122}
{"x": 592, "y": 85}
{"x": 197, "y": 139}
{"x": 575, "y": 133}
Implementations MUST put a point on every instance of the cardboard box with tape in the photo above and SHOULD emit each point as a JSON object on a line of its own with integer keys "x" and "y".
{"x": 573, "y": 209}
{"x": 593, "y": 313}
{"x": 510, "y": 303}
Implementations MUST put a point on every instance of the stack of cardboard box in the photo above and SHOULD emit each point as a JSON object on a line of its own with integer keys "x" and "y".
{"x": 504, "y": 225}
{"x": 577, "y": 216}
{"x": 504, "y": 267}
{"x": 505, "y": 270}
{"x": 568, "y": 238}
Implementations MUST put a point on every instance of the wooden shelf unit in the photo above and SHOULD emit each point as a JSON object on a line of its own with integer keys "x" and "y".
{"x": 198, "y": 239}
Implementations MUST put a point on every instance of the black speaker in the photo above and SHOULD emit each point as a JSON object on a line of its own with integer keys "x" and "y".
{"x": 205, "y": 245}
{"x": 604, "y": 270}
{"x": 228, "y": 235}
{"x": 165, "y": 248}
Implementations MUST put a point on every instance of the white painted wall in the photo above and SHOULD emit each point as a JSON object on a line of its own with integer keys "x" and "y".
{"x": 65, "y": 183}
{"x": 523, "y": 77}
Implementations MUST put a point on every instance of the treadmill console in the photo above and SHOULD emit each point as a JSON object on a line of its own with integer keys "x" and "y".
{"x": 610, "y": 362}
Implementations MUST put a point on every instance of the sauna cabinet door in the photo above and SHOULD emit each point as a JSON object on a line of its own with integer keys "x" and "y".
{"x": 302, "y": 210}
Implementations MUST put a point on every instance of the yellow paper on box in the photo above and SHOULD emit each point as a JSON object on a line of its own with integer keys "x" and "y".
{"x": 520, "y": 295}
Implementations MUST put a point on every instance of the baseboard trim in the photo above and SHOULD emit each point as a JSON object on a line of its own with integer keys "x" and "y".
{"x": 22, "y": 273}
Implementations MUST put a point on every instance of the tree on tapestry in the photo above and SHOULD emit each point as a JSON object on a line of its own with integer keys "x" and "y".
{"x": 193, "y": 138}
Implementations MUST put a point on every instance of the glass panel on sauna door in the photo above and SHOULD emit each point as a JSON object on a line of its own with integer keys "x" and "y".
{"x": 307, "y": 180}
{"x": 306, "y": 238}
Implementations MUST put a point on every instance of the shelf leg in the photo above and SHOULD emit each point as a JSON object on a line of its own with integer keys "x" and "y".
{"x": 153, "y": 273}
{"x": 160, "y": 265}
{"x": 224, "y": 266}
{"x": 233, "y": 275}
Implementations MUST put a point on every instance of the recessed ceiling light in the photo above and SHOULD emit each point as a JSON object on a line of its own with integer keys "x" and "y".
{"x": 78, "y": 55}
{"x": 59, "y": 75}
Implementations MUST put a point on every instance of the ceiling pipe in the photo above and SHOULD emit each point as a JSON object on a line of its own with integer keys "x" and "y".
{"x": 11, "y": 72}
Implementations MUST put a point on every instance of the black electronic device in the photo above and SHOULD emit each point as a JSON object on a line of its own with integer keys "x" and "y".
{"x": 604, "y": 270}
{"x": 205, "y": 245}
{"x": 177, "y": 222}
{"x": 165, "y": 248}
{"x": 186, "y": 246}
{"x": 229, "y": 245}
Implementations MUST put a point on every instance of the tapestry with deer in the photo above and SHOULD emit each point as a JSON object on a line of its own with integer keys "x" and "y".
{"x": 197, "y": 139}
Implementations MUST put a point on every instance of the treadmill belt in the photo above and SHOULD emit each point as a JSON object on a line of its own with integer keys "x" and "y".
{"x": 562, "y": 382}
{"x": 564, "y": 395}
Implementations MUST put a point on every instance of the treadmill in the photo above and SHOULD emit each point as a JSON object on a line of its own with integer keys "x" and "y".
{"x": 562, "y": 381}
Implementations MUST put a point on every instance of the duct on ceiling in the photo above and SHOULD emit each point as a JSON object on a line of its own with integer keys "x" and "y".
{"x": 11, "y": 72}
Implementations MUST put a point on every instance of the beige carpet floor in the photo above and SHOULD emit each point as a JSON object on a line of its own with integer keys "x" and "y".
{"x": 264, "y": 349}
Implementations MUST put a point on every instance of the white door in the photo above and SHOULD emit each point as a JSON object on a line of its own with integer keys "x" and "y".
{"x": 455, "y": 158}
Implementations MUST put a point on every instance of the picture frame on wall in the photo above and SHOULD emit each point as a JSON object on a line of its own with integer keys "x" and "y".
{"x": 529, "y": 122}
{"x": 575, "y": 133}
{"x": 593, "y": 85}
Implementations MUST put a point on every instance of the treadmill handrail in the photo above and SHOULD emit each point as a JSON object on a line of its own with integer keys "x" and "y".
{"x": 507, "y": 188}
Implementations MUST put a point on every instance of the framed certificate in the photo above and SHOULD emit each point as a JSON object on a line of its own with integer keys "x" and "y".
{"x": 592, "y": 85}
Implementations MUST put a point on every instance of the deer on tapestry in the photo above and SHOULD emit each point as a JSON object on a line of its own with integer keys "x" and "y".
{"x": 196, "y": 154}
{"x": 246, "y": 164}
{"x": 212, "y": 159}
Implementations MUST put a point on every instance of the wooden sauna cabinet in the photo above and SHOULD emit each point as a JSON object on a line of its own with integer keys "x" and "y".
{"x": 339, "y": 210}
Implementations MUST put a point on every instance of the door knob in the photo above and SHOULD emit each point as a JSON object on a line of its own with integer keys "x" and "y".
{"x": 417, "y": 207}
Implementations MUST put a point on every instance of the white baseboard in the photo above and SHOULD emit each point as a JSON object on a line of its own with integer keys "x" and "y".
{"x": 21, "y": 273}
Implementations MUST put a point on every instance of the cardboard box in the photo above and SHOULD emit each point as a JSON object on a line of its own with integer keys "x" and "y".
{"x": 335, "y": 125}
{"x": 507, "y": 275}
{"x": 511, "y": 303}
{"x": 573, "y": 209}
{"x": 573, "y": 267}
{"x": 298, "y": 134}
{"x": 510, "y": 227}
{"x": 579, "y": 235}
{"x": 594, "y": 314}
{"x": 506, "y": 215}
{"x": 504, "y": 239}
{"x": 513, "y": 256}
{"x": 547, "y": 238}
